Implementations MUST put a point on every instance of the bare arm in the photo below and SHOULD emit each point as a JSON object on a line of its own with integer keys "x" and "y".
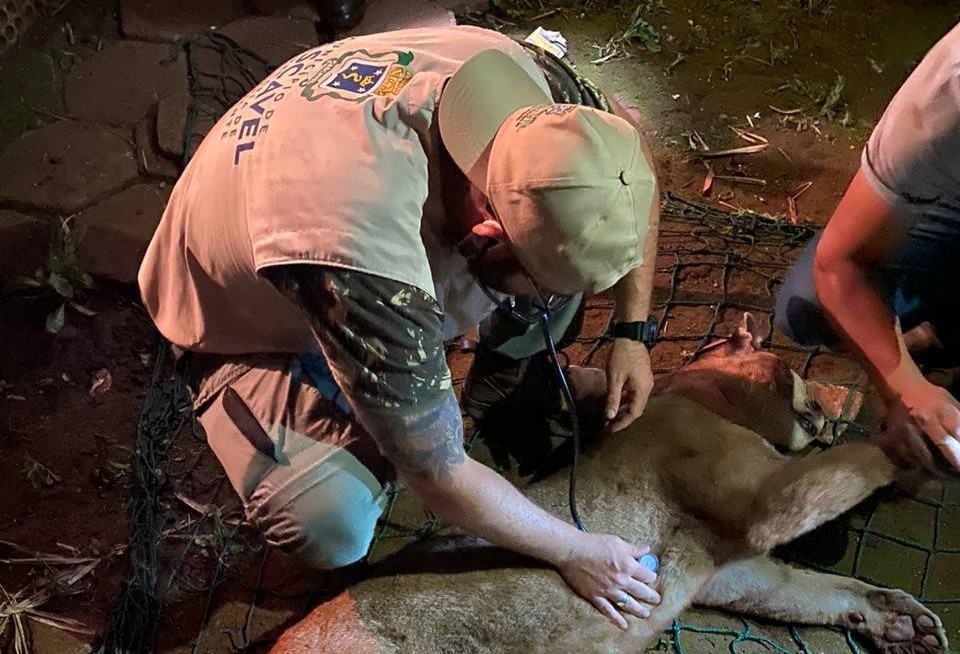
{"x": 629, "y": 370}
{"x": 860, "y": 234}
{"x": 382, "y": 342}
{"x": 862, "y": 231}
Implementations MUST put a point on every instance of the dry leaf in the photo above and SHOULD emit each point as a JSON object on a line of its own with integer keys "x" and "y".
{"x": 100, "y": 382}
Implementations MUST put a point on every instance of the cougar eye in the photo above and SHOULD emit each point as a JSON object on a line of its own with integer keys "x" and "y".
{"x": 806, "y": 424}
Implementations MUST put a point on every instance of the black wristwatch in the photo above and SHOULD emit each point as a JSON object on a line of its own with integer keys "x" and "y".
{"x": 647, "y": 332}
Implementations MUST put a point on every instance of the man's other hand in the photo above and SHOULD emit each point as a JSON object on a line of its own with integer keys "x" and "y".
{"x": 629, "y": 382}
{"x": 923, "y": 420}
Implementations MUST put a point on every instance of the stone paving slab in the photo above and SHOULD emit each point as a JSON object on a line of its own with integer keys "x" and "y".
{"x": 171, "y": 123}
{"x": 65, "y": 166}
{"x": 944, "y": 581}
{"x": 875, "y": 564}
{"x": 907, "y": 519}
{"x": 30, "y": 85}
{"x": 274, "y": 38}
{"x": 119, "y": 230}
{"x": 120, "y": 84}
{"x": 282, "y": 8}
{"x": 169, "y": 20}
{"x": 386, "y": 15}
{"x": 24, "y": 244}
{"x": 149, "y": 157}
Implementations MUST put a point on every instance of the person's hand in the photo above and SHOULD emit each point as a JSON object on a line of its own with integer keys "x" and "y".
{"x": 629, "y": 382}
{"x": 922, "y": 411}
{"x": 604, "y": 570}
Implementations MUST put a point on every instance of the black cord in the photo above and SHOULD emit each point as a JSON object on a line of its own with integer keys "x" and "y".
{"x": 544, "y": 320}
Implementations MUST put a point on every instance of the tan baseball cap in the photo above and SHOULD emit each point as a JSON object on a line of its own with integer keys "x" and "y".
{"x": 570, "y": 184}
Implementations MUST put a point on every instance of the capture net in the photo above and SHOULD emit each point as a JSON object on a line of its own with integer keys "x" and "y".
{"x": 201, "y": 580}
{"x": 16, "y": 16}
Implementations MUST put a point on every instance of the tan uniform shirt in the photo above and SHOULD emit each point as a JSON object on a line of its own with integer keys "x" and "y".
{"x": 912, "y": 159}
{"x": 331, "y": 160}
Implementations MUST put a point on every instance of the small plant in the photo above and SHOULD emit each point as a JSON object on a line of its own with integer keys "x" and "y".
{"x": 38, "y": 474}
{"x": 63, "y": 278}
{"x": 643, "y": 31}
{"x": 511, "y": 8}
{"x": 817, "y": 7}
{"x": 830, "y": 102}
{"x": 827, "y": 101}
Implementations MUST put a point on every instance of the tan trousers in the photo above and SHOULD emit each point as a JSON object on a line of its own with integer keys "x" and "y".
{"x": 322, "y": 494}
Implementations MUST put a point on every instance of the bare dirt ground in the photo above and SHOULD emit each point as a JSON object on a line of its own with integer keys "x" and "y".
{"x": 727, "y": 73}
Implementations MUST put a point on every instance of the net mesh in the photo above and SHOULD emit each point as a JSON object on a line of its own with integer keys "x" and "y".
{"x": 16, "y": 17}
{"x": 201, "y": 580}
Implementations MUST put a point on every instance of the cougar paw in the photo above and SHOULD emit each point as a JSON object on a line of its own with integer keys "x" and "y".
{"x": 899, "y": 624}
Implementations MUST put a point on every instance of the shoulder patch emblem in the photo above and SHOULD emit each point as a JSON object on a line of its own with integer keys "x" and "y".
{"x": 358, "y": 74}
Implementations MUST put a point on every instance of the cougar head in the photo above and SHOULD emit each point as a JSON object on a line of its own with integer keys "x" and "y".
{"x": 753, "y": 388}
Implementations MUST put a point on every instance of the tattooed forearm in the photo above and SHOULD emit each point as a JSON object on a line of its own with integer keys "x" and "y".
{"x": 427, "y": 444}
{"x": 382, "y": 341}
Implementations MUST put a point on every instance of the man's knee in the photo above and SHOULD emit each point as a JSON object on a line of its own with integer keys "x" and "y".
{"x": 803, "y": 322}
{"x": 329, "y": 524}
{"x": 797, "y": 311}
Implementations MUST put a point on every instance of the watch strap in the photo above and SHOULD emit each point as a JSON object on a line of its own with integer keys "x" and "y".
{"x": 646, "y": 331}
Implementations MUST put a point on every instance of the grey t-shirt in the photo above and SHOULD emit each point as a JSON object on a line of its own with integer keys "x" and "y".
{"x": 912, "y": 159}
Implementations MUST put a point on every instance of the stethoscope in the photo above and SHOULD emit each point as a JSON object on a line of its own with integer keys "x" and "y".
{"x": 539, "y": 311}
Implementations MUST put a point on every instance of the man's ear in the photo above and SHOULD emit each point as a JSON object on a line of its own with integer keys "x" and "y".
{"x": 489, "y": 229}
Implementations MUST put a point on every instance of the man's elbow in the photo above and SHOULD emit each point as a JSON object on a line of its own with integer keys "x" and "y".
{"x": 831, "y": 268}
{"x": 436, "y": 488}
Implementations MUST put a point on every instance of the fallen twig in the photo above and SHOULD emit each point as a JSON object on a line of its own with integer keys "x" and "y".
{"x": 785, "y": 155}
{"x": 703, "y": 144}
{"x": 547, "y": 14}
{"x": 44, "y": 112}
{"x": 82, "y": 309}
{"x": 605, "y": 58}
{"x": 792, "y": 214}
{"x": 676, "y": 62}
{"x": 749, "y": 137}
{"x": 730, "y": 206}
{"x": 60, "y": 8}
{"x": 738, "y": 179}
{"x": 785, "y": 112}
{"x": 803, "y": 188}
{"x": 747, "y": 149}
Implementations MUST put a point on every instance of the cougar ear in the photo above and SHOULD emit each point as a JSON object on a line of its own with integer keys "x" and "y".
{"x": 747, "y": 338}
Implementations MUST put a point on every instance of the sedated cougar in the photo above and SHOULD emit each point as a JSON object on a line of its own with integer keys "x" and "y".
{"x": 699, "y": 479}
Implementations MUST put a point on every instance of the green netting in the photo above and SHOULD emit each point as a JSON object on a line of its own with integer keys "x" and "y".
{"x": 191, "y": 559}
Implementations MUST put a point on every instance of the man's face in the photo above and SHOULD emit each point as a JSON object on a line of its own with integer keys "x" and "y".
{"x": 496, "y": 266}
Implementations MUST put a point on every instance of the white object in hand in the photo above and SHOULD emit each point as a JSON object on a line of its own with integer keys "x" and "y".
{"x": 650, "y": 562}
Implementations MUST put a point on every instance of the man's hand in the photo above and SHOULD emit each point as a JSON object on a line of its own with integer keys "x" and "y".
{"x": 629, "y": 382}
{"x": 926, "y": 410}
{"x": 604, "y": 571}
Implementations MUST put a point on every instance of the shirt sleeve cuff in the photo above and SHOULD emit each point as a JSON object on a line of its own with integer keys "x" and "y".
{"x": 891, "y": 198}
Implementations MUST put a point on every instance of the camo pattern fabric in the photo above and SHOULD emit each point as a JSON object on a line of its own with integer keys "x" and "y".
{"x": 382, "y": 340}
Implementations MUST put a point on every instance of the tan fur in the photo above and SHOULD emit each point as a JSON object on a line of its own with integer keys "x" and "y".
{"x": 697, "y": 478}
